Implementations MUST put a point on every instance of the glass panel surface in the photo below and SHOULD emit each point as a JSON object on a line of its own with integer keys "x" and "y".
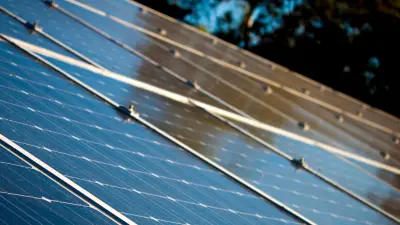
{"x": 97, "y": 47}
{"x": 253, "y": 162}
{"x": 128, "y": 166}
{"x": 175, "y": 31}
{"x": 88, "y": 129}
{"x": 28, "y": 197}
{"x": 15, "y": 29}
{"x": 279, "y": 109}
{"x": 375, "y": 185}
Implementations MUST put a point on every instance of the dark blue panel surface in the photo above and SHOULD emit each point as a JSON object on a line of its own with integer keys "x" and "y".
{"x": 198, "y": 69}
{"x": 15, "y": 29}
{"x": 308, "y": 194}
{"x": 131, "y": 168}
{"x": 360, "y": 179}
{"x": 28, "y": 197}
{"x": 95, "y": 46}
{"x": 88, "y": 131}
{"x": 126, "y": 10}
{"x": 279, "y": 109}
{"x": 280, "y": 100}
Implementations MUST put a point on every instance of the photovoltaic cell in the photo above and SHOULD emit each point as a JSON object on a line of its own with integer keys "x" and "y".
{"x": 244, "y": 157}
{"x": 183, "y": 68}
{"x": 94, "y": 46}
{"x": 284, "y": 110}
{"x": 124, "y": 10}
{"x": 149, "y": 179}
{"x": 364, "y": 140}
{"x": 252, "y": 163}
{"x": 279, "y": 109}
{"x": 15, "y": 29}
{"x": 233, "y": 55}
{"x": 341, "y": 172}
{"x": 28, "y": 197}
{"x": 132, "y": 169}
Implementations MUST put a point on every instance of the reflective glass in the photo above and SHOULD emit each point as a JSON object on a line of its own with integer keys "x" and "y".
{"x": 279, "y": 109}
{"x": 176, "y": 32}
{"x": 28, "y": 197}
{"x": 180, "y": 121}
{"x": 307, "y": 194}
{"x": 15, "y": 29}
{"x": 96, "y": 47}
{"x": 128, "y": 166}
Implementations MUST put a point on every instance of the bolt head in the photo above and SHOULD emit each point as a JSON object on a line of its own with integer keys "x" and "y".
{"x": 304, "y": 126}
{"x": 267, "y": 89}
{"x": 162, "y": 31}
{"x": 175, "y": 53}
{"x": 385, "y": 155}
{"x": 143, "y": 10}
{"x": 339, "y": 118}
{"x": 305, "y": 91}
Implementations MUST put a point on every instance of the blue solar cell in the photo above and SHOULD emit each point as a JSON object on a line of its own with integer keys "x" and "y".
{"x": 122, "y": 9}
{"x": 82, "y": 39}
{"x": 279, "y": 109}
{"x": 131, "y": 168}
{"x": 312, "y": 197}
{"x": 149, "y": 48}
{"x": 28, "y": 197}
{"x": 16, "y": 30}
{"x": 183, "y": 67}
{"x": 98, "y": 48}
{"x": 280, "y": 101}
{"x": 127, "y": 11}
{"x": 88, "y": 142}
{"x": 249, "y": 160}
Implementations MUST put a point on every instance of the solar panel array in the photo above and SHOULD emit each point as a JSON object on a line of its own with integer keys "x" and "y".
{"x": 221, "y": 136}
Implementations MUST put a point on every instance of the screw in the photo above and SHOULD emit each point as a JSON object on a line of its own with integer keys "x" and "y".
{"x": 385, "y": 155}
{"x": 175, "y": 53}
{"x": 304, "y": 126}
{"x": 267, "y": 89}
{"x": 162, "y": 32}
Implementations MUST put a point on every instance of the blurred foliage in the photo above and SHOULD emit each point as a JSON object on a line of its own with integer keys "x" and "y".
{"x": 351, "y": 46}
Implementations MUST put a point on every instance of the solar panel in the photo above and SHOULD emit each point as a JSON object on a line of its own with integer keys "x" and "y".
{"x": 253, "y": 63}
{"x": 14, "y": 28}
{"x": 252, "y": 99}
{"x": 131, "y": 168}
{"x": 238, "y": 154}
{"x": 350, "y": 177}
{"x": 148, "y": 175}
{"x": 250, "y": 161}
{"x": 28, "y": 197}
{"x": 117, "y": 59}
{"x": 221, "y": 51}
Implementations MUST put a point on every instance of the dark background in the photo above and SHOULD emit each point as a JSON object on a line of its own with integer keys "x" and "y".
{"x": 351, "y": 46}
